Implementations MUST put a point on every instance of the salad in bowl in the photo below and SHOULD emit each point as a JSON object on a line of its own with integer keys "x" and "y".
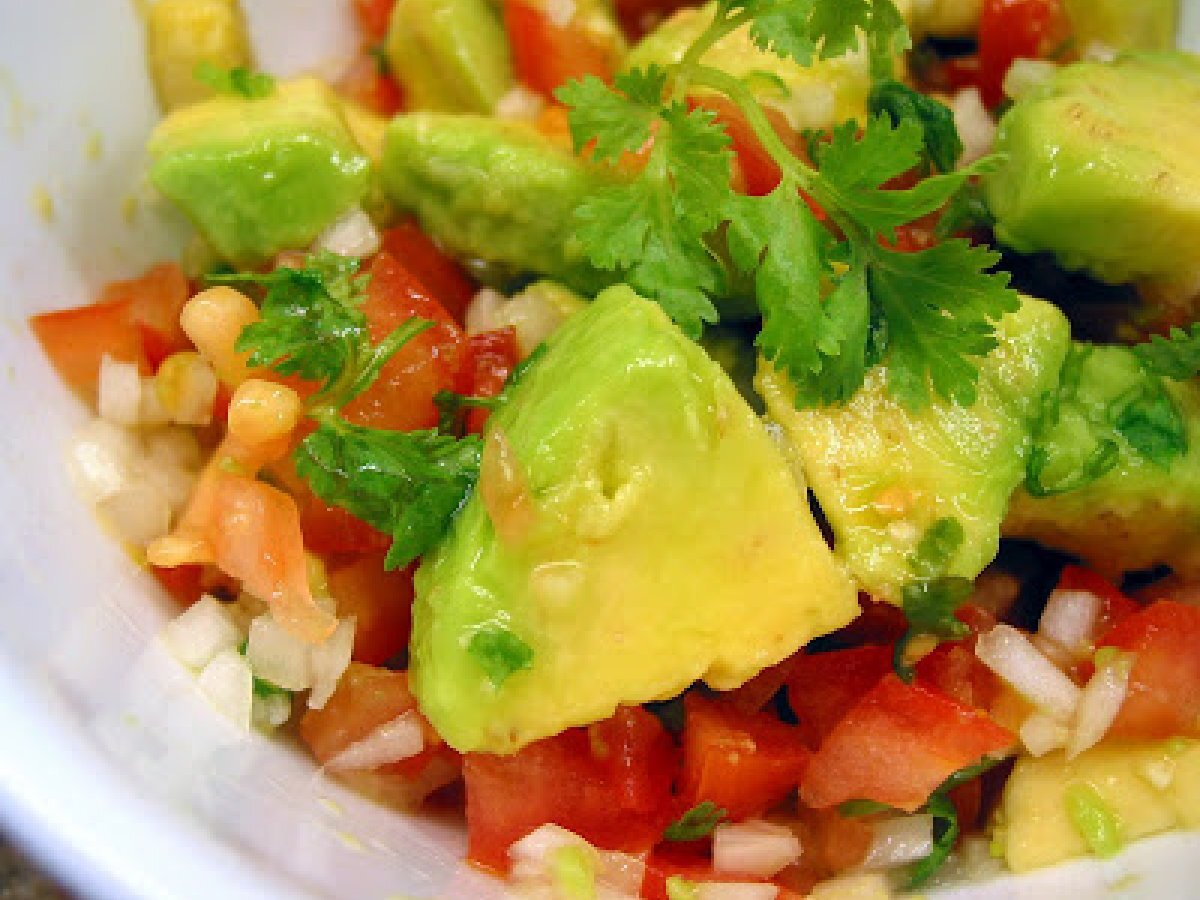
{"x": 728, "y": 450}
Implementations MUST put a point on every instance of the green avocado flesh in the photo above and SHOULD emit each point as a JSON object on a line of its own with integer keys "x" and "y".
{"x": 1124, "y": 25}
{"x": 257, "y": 176}
{"x": 493, "y": 190}
{"x": 1102, "y": 168}
{"x": 883, "y": 475}
{"x": 634, "y": 526}
{"x": 1140, "y": 514}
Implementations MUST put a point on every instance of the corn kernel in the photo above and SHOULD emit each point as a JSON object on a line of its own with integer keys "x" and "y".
{"x": 262, "y": 411}
{"x": 214, "y": 319}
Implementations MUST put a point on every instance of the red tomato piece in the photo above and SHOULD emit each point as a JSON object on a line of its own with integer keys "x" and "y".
{"x": 445, "y": 279}
{"x": 367, "y": 697}
{"x": 744, "y": 763}
{"x": 373, "y": 17}
{"x": 368, "y": 84}
{"x": 832, "y": 844}
{"x": 401, "y": 399}
{"x": 954, "y": 670}
{"x": 494, "y": 355}
{"x": 897, "y": 745}
{"x": 610, "y": 783}
{"x": 757, "y": 172}
{"x": 1016, "y": 29}
{"x": 823, "y": 687}
{"x": 77, "y": 339}
{"x": 546, "y": 54}
{"x": 380, "y": 601}
{"x": 1164, "y": 685}
{"x": 157, "y": 298}
{"x": 639, "y": 17}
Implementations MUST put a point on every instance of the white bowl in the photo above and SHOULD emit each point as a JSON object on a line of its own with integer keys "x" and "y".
{"x": 113, "y": 772}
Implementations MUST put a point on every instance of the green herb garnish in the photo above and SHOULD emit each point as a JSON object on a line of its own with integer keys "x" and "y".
{"x": 238, "y": 81}
{"x": 931, "y": 599}
{"x": 1176, "y": 356}
{"x": 696, "y": 823}
{"x": 499, "y": 653}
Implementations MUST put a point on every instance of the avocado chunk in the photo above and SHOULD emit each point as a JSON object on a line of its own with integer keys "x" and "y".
{"x": 634, "y": 529}
{"x": 1101, "y": 167}
{"x": 257, "y": 176}
{"x": 817, "y": 96}
{"x": 181, "y": 34}
{"x": 493, "y": 190}
{"x": 450, "y": 55}
{"x": 1138, "y": 515}
{"x": 1121, "y": 25}
{"x": 883, "y": 474}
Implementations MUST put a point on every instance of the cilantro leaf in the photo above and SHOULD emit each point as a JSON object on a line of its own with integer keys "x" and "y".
{"x": 406, "y": 484}
{"x": 697, "y": 822}
{"x": 238, "y": 81}
{"x": 1152, "y": 424}
{"x": 931, "y": 599}
{"x": 620, "y": 120}
{"x": 936, "y": 548}
{"x": 901, "y": 103}
{"x": 1176, "y": 356}
{"x": 499, "y": 652}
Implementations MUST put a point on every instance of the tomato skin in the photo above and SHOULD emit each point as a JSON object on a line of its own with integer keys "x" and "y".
{"x": 1016, "y": 29}
{"x": 379, "y": 600}
{"x": 157, "y": 298}
{"x": 823, "y": 687}
{"x": 439, "y": 272}
{"x": 401, "y": 399}
{"x": 609, "y": 782}
{"x": 373, "y": 17}
{"x": 547, "y": 55}
{"x": 744, "y": 763}
{"x": 954, "y": 670}
{"x": 367, "y": 697}
{"x": 1164, "y": 686}
{"x": 897, "y": 745}
{"x": 493, "y": 356}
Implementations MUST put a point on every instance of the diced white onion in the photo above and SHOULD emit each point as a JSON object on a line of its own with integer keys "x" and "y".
{"x": 120, "y": 392}
{"x": 271, "y": 711}
{"x": 150, "y": 407}
{"x": 228, "y": 684}
{"x": 867, "y": 886}
{"x": 1008, "y": 653}
{"x": 735, "y": 890}
{"x": 172, "y": 447}
{"x": 560, "y": 12}
{"x": 899, "y": 840}
{"x": 329, "y": 661}
{"x": 1040, "y": 734}
{"x": 102, "y": 459}
{"x": 278, "y": 656}
{"x": 391, "y": 742}
{"x": 140, "y": 512}
{"x": 1099, "y": 704}
{"x": 1070, "y": 620}
{"x": 202, "y": 631}
{"x": 976, "y": 127}
{"x": 520, "y": 103}
{"x": 754, "y": 848}
{"x": 1025, "y": 74}
{"x": 812, "y": 105}
{"x": 534, "y": 316}
{"x": 618, "y": 875}
{"x": 1097, "y": 51}
{"x": 352, "y": 234}
{"x": 483, "y": 312}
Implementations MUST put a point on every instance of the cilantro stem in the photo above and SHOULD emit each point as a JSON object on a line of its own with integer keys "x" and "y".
{"x": 720, "y": 27}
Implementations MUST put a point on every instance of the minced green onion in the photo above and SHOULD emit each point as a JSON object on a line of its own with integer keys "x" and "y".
{"x": 574, "y": 873}
{"x": 1093, "y": 819}
{"x": 679, "y": 888}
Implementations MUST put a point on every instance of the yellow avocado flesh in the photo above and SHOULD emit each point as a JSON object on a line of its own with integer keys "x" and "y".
{"x": 1148, "y": 788}
{"x": 634, "y": 525}
{"x": 882, "y": 474}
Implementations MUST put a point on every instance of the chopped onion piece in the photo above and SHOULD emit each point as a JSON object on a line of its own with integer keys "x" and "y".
{"x": 140, "y": 512}
{"x": 1025, "y": 74}
{"x": 329, "y": 660}
{"x": 900, "y": 840}
{"x": 754, "y": 848}
{"x": 483, "y": 312}
{"x": 150, "y": 408}
{"x": 228, "y": 684}
{"x": 401, "y": 738}
{"x": 735, "y": 890}
{"x": 976, "y": 127}
{"x": 120, "y": 389}
{"x": 1070, "y": 620}
{"x": 617, "y": 874}
{"x": 1008, "y": 653}
{"x": 202, "y": 631}
{"x": 1099, "y": 704}
{"x": 271, "y": 711}
{"x": 352, "y": 234}
{"x": 1040, "y": 734}
{"x": 520, "y": 103}
{"x": 102, "y": 459}
{"x": 560, "y": 12}
{"x": 175, "y": 448}
{"x": 278, "y": 656}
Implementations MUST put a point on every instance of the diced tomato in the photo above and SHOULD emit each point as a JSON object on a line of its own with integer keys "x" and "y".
{"x": 1164, "y": 685}
{"x": 157, "y": 298}
{"x": 954, "y": 670}
{"x": 373, "y": 17}
{"x": 401, "y": 399}
{"x": 366, "y": 698}
{"x": 639, "y": 17}
{"x": 757, "y": 173}
{"x": 367, "y": 83}
{"x": 832, "y": 844}
{"x": 77, "y": 339}
{"x": 744, "y": 763}
{"x": 547, "y": 54}
{"x": 1016, "y": 29}
{"x": 441, "y": 274}
{"x": 823, "y": 687}
{"x": 380, "y": 601}
{"x": 897, "y": 745}
{"x": 493, "y": 355}
{"x": 610, "y": 783}
{"x": 183, "y": 583}
{"x": 1114, "y": 605}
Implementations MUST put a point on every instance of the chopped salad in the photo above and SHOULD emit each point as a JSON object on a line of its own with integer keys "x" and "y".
{"x": 734, "y": 450}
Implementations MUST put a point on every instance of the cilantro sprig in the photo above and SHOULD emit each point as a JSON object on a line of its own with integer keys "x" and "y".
{"x": 931, "y": 598}
{"x": 1176, "y": 356}
{"x": 696, "y": 823}
{"x": 835, "y": 298}
{"x": 408, "y": 485}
